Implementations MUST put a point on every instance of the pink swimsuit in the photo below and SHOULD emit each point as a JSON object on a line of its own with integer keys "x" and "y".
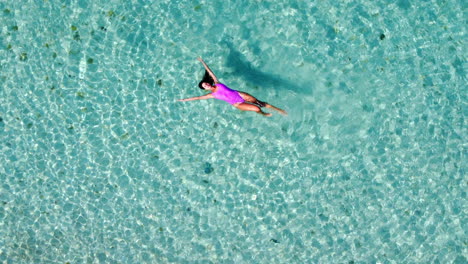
{"x": 227, "y": 94}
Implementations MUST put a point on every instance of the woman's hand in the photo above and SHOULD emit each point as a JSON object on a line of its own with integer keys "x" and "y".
{"x": 208, "y": 70}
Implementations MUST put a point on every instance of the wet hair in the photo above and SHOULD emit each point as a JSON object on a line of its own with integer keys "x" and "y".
{"x": 206, "y": 79}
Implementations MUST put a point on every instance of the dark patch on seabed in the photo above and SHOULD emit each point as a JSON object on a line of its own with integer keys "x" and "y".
{"x": 242, "y": 67}
{"x": 208, "y": 168}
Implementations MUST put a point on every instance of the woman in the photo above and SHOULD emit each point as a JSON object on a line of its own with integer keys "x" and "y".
{"x": 240, "y": 100}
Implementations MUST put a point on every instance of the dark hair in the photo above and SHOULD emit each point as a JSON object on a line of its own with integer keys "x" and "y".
{"x": 206, "y": 79}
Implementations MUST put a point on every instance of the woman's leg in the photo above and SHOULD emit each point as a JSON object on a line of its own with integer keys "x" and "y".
{"x": 251, "y": 107}
{"x": 267, "y": 105}
{"x": 249, "y": 98}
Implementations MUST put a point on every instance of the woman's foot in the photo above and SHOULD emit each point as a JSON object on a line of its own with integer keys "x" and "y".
{"x": 281, "y": 111}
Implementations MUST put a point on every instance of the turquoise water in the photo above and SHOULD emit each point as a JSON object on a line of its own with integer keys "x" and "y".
{"x": 100, "y": 164}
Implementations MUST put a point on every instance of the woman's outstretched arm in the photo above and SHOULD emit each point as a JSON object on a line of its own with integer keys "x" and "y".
{"x": 206, "y": 96}
{"x": 208, "y": 70}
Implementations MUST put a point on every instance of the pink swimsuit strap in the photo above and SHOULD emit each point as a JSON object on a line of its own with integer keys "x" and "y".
{"x": 227, "y": 94}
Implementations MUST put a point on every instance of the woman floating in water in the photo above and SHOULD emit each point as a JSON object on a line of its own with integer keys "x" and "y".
{"x": 240, "y": 100}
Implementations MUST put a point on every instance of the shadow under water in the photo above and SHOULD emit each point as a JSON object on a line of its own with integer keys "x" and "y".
{"x": 237, "y": 61}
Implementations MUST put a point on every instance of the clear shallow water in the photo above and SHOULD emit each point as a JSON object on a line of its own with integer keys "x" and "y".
{"x": 99, "y": 164}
